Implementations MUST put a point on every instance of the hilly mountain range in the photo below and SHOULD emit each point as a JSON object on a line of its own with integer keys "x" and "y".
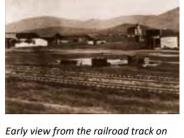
{"x": 46, "y": 24}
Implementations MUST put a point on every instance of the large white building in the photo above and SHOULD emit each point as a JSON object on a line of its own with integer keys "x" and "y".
{"x": 32, "y": 43}
{"x": 169, "y": 42}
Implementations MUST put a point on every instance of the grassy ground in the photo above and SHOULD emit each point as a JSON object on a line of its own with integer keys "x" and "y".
{"x": 108, "y": 101}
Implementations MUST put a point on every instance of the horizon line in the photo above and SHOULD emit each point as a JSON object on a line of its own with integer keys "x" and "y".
{"x": 85, "y": 20}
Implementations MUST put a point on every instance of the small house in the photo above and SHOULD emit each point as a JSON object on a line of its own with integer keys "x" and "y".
{"x": 91, "y": 42}
{"x": 95, "y": 40}
{"x": 56, "y": 39}
{"x": 157, "y": 38}
{"x": 101, "y": 42}
{"x": 10, "y": 40}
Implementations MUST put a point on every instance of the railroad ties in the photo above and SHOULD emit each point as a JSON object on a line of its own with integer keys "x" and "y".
{"x": 130, "y": 82}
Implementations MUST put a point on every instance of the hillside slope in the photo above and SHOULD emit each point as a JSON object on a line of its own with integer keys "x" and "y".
{"x": 169, "y": 20}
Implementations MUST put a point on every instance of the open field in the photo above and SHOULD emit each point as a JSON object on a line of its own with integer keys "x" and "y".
{"x": 36, "y": 83}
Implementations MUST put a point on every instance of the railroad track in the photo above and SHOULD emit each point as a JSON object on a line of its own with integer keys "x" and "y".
{"x": 132, "y": 77}
{"x": 98, "y": 83}
{"x": 107, "y": 80}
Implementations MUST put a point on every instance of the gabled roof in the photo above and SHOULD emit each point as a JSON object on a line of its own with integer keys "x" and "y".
{"x": 167, "y": 32}
{"x": 161, "y": 32}
{"x": 27, "y": 35}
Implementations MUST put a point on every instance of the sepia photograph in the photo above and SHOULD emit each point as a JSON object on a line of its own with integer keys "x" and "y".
{"x": 92, "y": 57}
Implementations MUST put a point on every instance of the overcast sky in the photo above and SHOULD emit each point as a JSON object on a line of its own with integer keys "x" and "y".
{"x": 84, "y": 9}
